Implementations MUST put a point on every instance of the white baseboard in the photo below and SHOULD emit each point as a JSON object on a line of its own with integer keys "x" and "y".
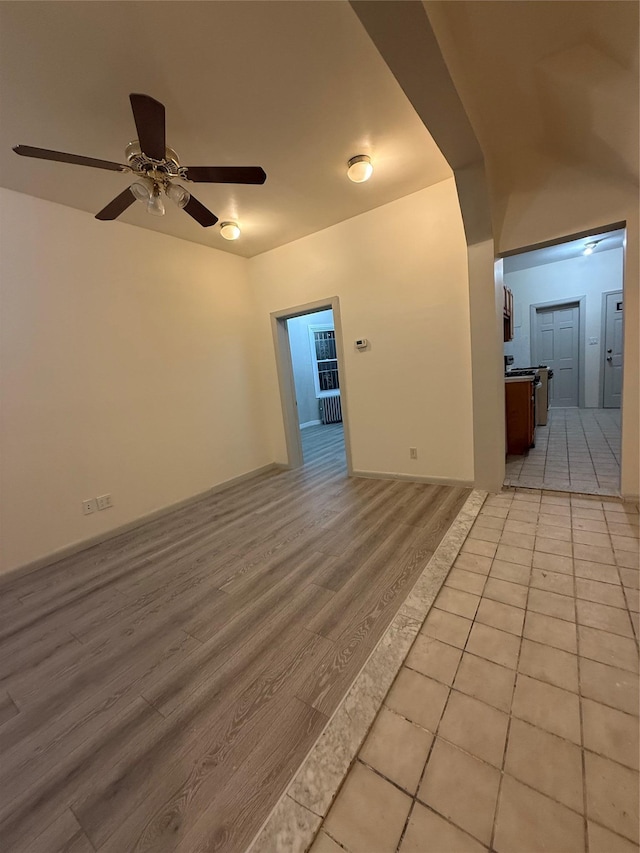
{"x": 414, "y": 478}
{"x": 82, "y": 544}
{"x": 310, "y": 423}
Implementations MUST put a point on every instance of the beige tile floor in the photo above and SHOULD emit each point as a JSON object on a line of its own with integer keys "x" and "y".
{"x": 577, "y": 451}
{"x": 513, "y": 725}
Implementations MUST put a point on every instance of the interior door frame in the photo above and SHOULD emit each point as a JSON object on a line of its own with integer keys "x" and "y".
{"x": 603, "y": 335}
{"x": 581, "y": 302}
{"x": 284, "y": 366}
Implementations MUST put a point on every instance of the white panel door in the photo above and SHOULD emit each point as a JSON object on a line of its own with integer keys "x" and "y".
{"x": 613, "y": 351}
{"x": 557, "y": 332}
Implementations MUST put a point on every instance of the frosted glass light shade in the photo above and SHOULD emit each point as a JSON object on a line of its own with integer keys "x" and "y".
{"x": 230, "y": 230}
{"x": 360, "y": 168}
{"x": 155, "y": 205}
{"x": 141, "y": 191}
{"x": 178, "y": 195}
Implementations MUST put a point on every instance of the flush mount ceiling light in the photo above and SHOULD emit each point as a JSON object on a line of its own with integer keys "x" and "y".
{"x": 230, "y": 230}
{"x": 589, "y": 247}
{"x": 359, "y": 168}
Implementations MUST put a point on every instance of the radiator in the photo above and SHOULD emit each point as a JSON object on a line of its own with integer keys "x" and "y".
{"x": 330, "y": 410}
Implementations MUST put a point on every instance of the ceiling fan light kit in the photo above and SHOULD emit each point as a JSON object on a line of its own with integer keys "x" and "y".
{"x": 156, "y": 167}
{"x": 141, "y": 190}
{"x": 359, "y": 168}
{"x": 178, "y": 195}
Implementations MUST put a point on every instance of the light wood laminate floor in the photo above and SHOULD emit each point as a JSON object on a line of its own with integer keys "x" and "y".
{"x": 158, "y": 691}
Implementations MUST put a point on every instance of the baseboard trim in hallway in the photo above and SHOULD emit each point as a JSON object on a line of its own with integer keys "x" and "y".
{"x": 296, "y": 818}
{"x": 414, "y": 478}
{"x": 83, "y": 544}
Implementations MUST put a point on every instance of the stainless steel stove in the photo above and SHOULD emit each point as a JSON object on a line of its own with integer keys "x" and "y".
{"x": 542, "y": 375}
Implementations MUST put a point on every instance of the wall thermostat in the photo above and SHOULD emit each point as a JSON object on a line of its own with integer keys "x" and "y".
{"x": 362, "y": 343}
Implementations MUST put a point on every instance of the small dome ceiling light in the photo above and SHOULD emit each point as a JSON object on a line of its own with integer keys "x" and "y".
{"x": 360, "y": 168}
{"x": 230, "y": 230}
{"x": 589, "y": 247}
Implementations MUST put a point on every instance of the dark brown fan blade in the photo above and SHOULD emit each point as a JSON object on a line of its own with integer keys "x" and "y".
{"x": 61, "y": 157}
{"x": 200, "y": 213}
{"x": 227, "y": 174}
{"x": 119, "y": 204}
{"x": 148, "y": 115}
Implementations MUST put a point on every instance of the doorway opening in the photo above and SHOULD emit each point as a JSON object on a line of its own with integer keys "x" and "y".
{"x": 309, "y": 357}
{"x": 566, "y": 341}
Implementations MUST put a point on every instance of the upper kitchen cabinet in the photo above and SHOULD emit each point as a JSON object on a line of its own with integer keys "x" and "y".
{"x": 508, "y": 314}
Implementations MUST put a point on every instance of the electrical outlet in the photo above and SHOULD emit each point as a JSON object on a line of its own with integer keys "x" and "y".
{"x": 104, "y": 501}
{"x": 89, "y": 506}
{"x": 413, "y": 453}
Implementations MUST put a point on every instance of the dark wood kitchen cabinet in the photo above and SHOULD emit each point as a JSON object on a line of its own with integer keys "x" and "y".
{"x": 520, "y": 415}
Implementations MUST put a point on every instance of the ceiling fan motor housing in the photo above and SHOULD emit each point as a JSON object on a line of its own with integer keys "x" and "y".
{"x": 144, "y": 165}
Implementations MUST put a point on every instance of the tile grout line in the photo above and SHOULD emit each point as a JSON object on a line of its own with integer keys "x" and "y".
{"x": 450, "y": 687}
{"x": 511, "y": 717}
{"x": 414, "y": 797}
{"x": 586, "y": 441}
{"x": 582, "y": 748}
{"x": 634, "y": 630}
{"x": 583, "y": 762}
{"x": 571, "y": 446}
{"x": 515, "y": 681}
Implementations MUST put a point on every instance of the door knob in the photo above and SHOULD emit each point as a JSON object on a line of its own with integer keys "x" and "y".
{"x": 609, "y": 350}
{"x": 610, "y": 359}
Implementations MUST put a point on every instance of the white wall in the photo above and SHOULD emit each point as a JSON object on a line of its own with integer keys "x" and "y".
{"x": 400, "y": 273}
{"x": 588, "y": 276}
{"x": 127, "y": 366}
{"x": 303, "y": 364}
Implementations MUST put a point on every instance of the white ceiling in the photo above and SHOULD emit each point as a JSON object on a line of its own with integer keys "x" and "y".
{"x": 556, "y": 78}
{"x": 294, "y": 87}
{"x": 564, "y": 251}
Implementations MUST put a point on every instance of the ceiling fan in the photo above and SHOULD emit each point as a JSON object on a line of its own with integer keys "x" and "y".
{"x": 156, "y": 167}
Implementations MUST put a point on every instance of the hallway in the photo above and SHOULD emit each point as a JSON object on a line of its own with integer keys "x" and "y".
{"x": 577, "y": 451}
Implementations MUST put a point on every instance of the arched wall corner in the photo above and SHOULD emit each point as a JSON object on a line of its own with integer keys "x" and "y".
{"x": 402, "y": 33}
